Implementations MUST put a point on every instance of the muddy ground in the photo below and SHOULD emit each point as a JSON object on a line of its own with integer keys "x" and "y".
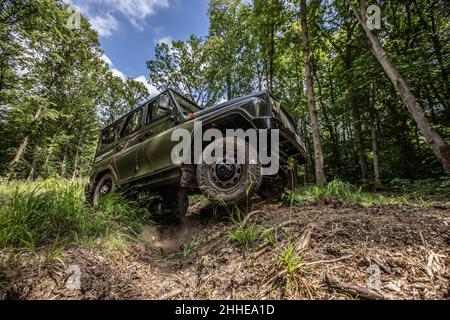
{"x": 408, "y": 246}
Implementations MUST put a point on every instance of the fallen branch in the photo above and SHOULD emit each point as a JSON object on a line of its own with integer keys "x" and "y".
{"x": 262, "y": 251}
{"x": 170, "y": 295}
{"x": 281, "y": 225}
{"x": 305, "y": 238}
{"x": 325, "y": 261}
{"x": 251, "y": 214}
{"x": 362, "y": 292}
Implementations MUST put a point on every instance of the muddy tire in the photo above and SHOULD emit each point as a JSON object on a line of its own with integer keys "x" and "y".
{"x": 229, "y": 183}
{"x": 106, "y": 184}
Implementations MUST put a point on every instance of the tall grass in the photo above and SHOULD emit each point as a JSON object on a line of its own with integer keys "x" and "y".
{"x": 35, "y": 214}
{"x": 348, "y": 193}
{"x": 245, "y": 235}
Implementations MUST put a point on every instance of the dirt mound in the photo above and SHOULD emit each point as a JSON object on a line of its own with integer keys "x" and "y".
{"x": 405, "y": 247}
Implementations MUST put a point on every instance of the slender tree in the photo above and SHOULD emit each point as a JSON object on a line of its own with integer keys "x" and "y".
{"x": 318, "y": 153}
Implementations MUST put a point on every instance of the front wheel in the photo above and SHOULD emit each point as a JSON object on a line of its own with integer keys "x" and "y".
{"x": 226, "y": 180}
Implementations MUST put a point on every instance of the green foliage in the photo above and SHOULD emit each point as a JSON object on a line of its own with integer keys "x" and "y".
{"x": 431, "y": 189}
{"x": 289, "y": 262}
{"x": 397, "y": 191}
{"x": 183, "y": 65}
{"x": 291, "y": 198}
{"x": 187, "y": 248}
{"x": 289, "y": 259}
{"x": 55, "y": 211}
{"x": 56, "y": 91}
{"x": 346, "y": 192}
{"x": 244, "y": 236}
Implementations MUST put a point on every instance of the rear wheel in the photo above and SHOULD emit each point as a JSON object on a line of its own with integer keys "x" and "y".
{"x": 273, "y": 187}
{"x": 222, "y": 182}
{"x": 105, "y": 185}
{"x": 175, "y": 203}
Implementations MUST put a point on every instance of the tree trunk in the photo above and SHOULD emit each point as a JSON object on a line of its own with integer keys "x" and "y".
{"x": 75, "y": 171}
{"x": 432, "y": 136}
{"x": 20, "y": 151}
{"x": 64, "y": 163}
{"x": 33, "y": 164}
{"x": 355, "y": 107}
{"x": 23, "y": 145}
{"x": 271, "y": 56}
{"x": 77, "y": 156}
{"x": 329, "y": 125}
{"x": 229, "y": 88}
{"x": 359, "y": 139}
{"x": 318, "y": 153}
{"x": 376, "y": 165}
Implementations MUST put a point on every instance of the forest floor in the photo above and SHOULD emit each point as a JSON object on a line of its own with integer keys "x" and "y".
{"x": 408, "y": 244}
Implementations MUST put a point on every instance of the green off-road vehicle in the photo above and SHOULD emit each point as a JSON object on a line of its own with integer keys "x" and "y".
{"x": 135, "y": 152}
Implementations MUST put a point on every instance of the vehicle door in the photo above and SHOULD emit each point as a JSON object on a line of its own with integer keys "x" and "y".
{"x": 161, "y": 118}
{"x": 128, "y": 156}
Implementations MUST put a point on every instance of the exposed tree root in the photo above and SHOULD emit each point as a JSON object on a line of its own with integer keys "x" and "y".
{"x": 355, "y": 290}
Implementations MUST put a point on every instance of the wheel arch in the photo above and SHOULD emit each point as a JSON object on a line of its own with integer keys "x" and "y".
{"x": 102, "y": 172}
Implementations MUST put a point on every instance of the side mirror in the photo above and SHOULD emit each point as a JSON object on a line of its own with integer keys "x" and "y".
{"x": 164, "y": 102}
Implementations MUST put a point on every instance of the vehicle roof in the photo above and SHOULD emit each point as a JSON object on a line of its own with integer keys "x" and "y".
{"x": 255, "y": 94}
{"x": 148, "y": 100}
{"x": 143, "y": 103}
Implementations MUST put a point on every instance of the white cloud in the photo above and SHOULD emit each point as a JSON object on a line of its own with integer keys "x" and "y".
{"x": 167, "y": 40}
{"x": 118, "y": 73}
{"x": 151, "y": 89}
{"x": 103, "y": 13}
{"x": 107, "y": 59}
{"x": 113, "y": 69}
{"x": 136, "y": 10}
{"x": 104, "y": 25}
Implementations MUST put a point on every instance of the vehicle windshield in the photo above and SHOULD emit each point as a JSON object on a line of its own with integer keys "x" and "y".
{"x": 185, "y": 105}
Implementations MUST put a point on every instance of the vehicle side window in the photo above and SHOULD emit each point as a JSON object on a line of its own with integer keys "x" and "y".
{"x": 132, "y": 124}
{"x": 157, "y": 110}
{"x": 109, "y": 135}
{"x": 149, "y": 113}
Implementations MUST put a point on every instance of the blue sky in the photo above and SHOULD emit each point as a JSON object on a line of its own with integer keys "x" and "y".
{"x": 130, "y": 29}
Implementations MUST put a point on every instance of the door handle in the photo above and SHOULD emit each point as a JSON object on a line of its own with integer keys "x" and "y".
{"x": 148, "y": 133}
{"x": 145, "y": 135}
{"x": 119, "y": 147}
